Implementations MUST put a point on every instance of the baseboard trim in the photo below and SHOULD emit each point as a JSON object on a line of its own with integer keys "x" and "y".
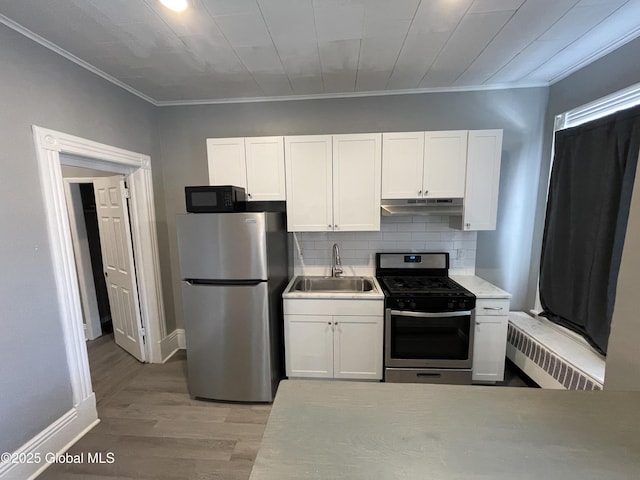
{"x": 172, "y": 343}
{"x": 55, "y": 439}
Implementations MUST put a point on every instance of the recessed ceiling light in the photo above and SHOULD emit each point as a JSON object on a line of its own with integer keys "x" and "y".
{"x": 175, "y": 5}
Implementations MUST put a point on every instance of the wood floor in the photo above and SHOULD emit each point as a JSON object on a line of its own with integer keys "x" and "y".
{"x": 155, "y": 430}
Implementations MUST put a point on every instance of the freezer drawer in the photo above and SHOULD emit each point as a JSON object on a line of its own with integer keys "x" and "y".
{"x": 222, "y": 246}
{"x": 229, "y": 342}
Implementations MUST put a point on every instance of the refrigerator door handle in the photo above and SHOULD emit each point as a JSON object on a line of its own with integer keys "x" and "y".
{"x": 214, "y": 283}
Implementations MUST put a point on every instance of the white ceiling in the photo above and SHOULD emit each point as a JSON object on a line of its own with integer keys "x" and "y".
{"x": 221, "y": 50}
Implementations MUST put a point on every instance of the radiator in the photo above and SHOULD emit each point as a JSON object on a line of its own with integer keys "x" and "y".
{"x": 563, "y": 373}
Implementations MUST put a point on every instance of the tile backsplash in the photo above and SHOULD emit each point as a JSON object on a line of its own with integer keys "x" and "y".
{"x": 312, "y": 250}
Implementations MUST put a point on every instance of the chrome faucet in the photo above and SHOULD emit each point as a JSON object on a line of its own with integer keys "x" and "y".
{"x": 336, "y": 264}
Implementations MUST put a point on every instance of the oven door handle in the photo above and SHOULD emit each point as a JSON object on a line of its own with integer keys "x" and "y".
{"x": 403, "y": 313}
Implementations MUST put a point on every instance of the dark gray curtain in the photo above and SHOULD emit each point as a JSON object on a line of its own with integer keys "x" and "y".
{"x": 590, "y": 190}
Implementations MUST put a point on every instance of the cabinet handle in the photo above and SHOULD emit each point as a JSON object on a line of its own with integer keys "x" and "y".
{"x": 328, "y": 323}
{"x": 335, "y": 323}
{"x": 336, "y": 227}
{"x": 329, "y": 227}
{"x": 492, "y": 308}
{"x": 249, "y": 195}
{"x": 419, "y": 192}
{"x": 468, "y": 225}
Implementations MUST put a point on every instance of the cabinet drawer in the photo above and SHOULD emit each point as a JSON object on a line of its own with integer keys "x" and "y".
{"x": 492, "y": 307}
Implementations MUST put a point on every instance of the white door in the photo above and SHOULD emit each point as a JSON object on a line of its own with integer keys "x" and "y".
{"x": 489, "y": 348}
{"x": 402, "y": 162}
{"x": 309, "y": 346}
{"x": 117, "y": 262}
{"x": 483, "y": 180}
{"x": 265, "y": 168}
{"x": 357, "y": 169}
{"x": 445, "y": 164}
{"x": 358, "y": 347}
{"x": 309, "y": 187}
{"x": 225, "y": 157}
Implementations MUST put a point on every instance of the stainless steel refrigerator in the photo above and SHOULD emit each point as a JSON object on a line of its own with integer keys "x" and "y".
{"x": 234, "y": 268}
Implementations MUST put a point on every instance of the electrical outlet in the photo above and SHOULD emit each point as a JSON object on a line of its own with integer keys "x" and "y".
{"x": 460, "y": 254}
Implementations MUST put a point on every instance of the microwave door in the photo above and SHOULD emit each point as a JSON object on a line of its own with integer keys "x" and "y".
{"x": 222, "y": 246}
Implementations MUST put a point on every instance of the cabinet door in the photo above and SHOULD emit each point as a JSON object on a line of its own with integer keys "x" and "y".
{"x": 226, "y": 161}
{"x": 309, "y": 183}
{"x": 265, "y": 168}
{"x": 483, "y": 180}
{"x": 489, "y": 348}
{"x": 357, "y": 165}
{"x": 358, "y": 347}
{"x": 402, "y": 163}
{"x": 445, "y": 163}
{"x": 308, "y": 346}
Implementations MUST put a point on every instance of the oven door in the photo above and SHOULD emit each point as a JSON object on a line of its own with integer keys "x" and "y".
{"x": 429, "y": 340}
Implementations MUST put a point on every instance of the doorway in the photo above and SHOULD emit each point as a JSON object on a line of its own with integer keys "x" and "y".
{"x": 55, "y": 149}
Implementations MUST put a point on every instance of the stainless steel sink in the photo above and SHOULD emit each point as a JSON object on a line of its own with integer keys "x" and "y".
{"x": 333, "y": 284}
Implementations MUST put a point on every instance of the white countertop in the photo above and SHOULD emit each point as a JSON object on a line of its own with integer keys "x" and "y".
{"x": 375, "y": 294}
{"x": 320, "y": 430}
{"x": 480, "y": 287}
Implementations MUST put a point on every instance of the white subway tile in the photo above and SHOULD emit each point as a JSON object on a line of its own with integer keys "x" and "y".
{"x": 396, "y": 219}
{"x": 354, "y": 244}
{"x": 378, "y": 246}
{"x": 411, "y": 246}
{"x": 426, "y": 236}
{"x": 388, "y": 227}
{"x": 412, "y": 227}
{"x": 439, "y": 246}
{"x": 398, "y": 236}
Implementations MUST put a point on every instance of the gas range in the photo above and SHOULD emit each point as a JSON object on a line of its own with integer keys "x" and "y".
{"x": 429, "y": 319}
{"x": 419, "y": 281}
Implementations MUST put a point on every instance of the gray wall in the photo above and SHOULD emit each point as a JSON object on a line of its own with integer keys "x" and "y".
{"x": 503, "y": 255}
{"x": 39, "y": 87}
{"x": 618, "y": 70}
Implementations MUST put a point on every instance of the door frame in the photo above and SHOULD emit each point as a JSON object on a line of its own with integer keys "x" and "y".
{"x": 80, "y": 152}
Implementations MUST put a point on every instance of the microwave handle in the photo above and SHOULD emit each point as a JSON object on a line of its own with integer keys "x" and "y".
{"x": 404, "y": 313}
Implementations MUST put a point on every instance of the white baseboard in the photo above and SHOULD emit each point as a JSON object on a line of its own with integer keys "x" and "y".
{"x": 55, "y": 439}
{"x": 172, "y": 343}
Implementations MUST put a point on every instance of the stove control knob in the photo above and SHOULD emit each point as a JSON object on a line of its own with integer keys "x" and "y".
{"x": 412, "y": 304}
{"x": 462, "y": 304}
{"x": 451, "y": 304}
{"x": 400, "y": 304}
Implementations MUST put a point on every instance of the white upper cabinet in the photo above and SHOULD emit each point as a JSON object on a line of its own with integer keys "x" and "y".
{"x": 356, "y": 182}
{"x": 309, "y": 183}
{"x": 482, "y": 182}
{"x": 255, "y": 163}
{"x": 402, "y": 164}
{"x": 424, "y": 164}
{"x": 265, "y": 168}
{"x": 445, "y": 162}
{"x": 226, "y": 161}
{"x": 333, "y": 182}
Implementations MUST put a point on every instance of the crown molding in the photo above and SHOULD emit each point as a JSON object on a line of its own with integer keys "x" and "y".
{"x": 377, "y": 93}
{"x": 69, "y": 56}
{"x": 605, "y": 50}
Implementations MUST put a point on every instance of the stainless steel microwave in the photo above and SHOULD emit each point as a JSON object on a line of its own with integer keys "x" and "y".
{"x": 215, "y": 199}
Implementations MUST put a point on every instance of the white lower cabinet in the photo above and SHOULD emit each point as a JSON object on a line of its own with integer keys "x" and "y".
{"x": 321, "y": 343}
{"x": 490, "y": 340}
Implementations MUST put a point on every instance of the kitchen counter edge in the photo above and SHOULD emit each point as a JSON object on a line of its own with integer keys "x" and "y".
{"x": 480, "y": 287}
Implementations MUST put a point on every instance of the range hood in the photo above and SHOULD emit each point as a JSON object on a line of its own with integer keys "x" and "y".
{"x": 422, "y": 206}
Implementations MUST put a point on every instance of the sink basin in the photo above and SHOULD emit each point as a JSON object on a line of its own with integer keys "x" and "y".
{"x": 333, "y": 284}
